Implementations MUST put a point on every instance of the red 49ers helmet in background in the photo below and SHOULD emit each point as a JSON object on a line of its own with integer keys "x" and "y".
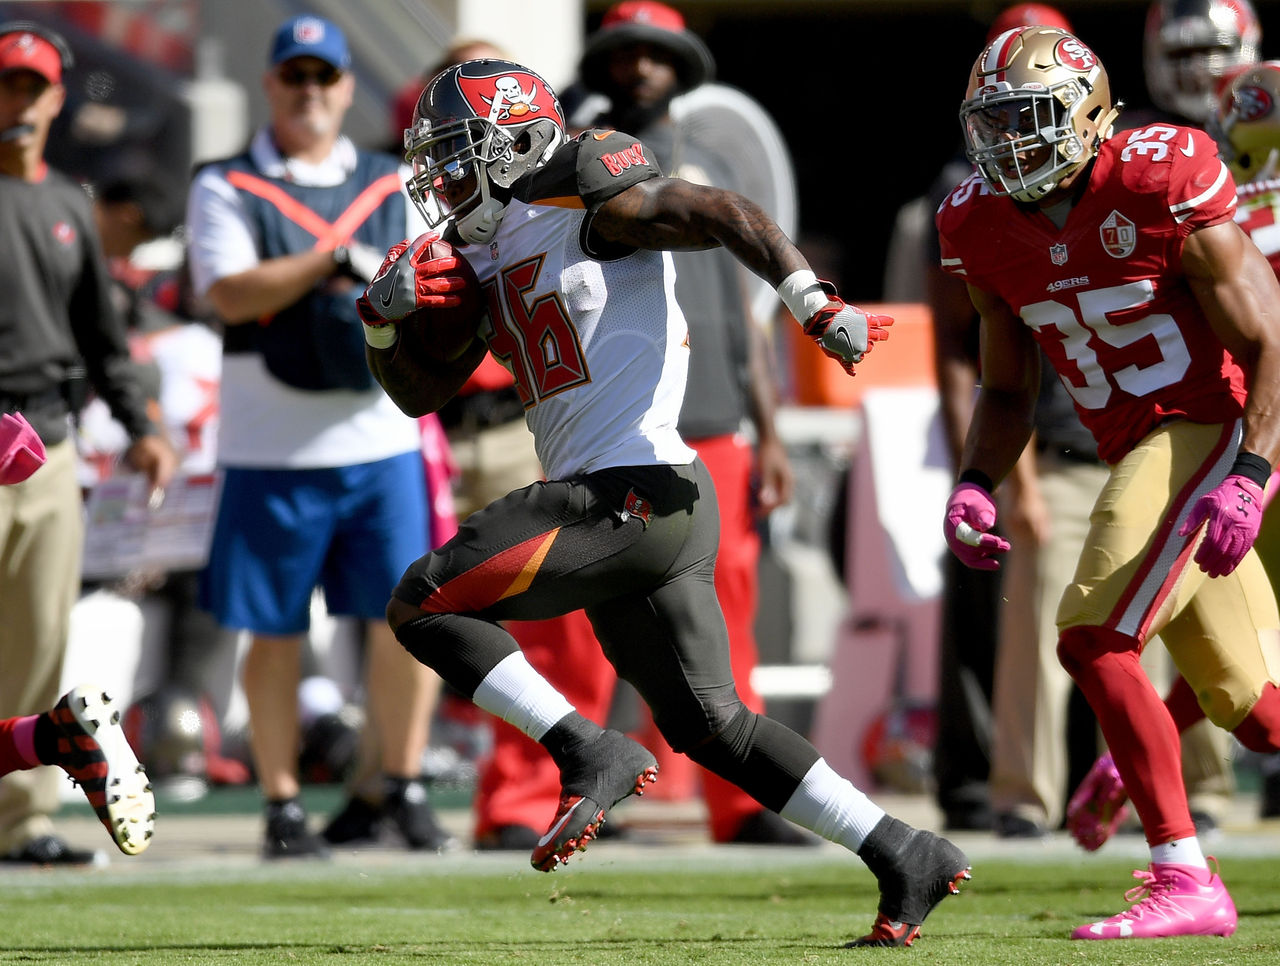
{"x": 1027, "y": 15}
{"x": 1189, "y": 45}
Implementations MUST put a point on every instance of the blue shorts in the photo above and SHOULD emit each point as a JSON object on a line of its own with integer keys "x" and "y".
{"x": 351, "y": 530}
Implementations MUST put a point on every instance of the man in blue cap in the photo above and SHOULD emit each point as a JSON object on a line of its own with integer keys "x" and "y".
{"x": 324, "y": 482}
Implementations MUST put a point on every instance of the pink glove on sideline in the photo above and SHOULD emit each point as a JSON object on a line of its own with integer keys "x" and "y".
{"x": 21, "y": 450}
{"x": 970, "y": 513}
{"x": 1233, "y": 513}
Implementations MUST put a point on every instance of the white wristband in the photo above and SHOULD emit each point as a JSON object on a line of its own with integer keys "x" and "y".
{"x": 802, "y": 294}
{"x": 381, "y": 336}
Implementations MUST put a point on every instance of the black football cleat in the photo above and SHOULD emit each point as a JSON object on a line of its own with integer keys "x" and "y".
{"x": 916, "y": 870}
{"x": 610, "y": 768}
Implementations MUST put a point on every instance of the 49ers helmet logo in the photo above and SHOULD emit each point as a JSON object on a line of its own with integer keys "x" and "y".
{"x": 1074, "y": 55}
{"x": 1252, "y": 103}
{"x": 510, "y": 98}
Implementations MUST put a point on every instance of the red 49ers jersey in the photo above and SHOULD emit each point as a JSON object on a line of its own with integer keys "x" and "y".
{"x": 1106, "y": 296}
{"x": 1257, "y": 215}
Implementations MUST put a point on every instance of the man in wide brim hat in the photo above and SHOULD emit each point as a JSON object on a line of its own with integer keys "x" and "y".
{"x": 646, "y": 22}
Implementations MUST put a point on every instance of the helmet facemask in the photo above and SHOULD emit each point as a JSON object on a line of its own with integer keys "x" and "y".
{"x": 1022, "y": 140}
{"x": 479, "y": 127}
{"x": 448, "y": 160}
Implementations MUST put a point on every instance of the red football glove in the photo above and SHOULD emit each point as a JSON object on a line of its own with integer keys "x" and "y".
{"x": 1233, "y": 512}
{"x": 844, "y": 332}
{"x": 410, "y": 279}
{"x": 970, "y": 513}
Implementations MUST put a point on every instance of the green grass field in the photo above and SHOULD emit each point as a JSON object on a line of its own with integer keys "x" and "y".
{"x": 648, "y": 907}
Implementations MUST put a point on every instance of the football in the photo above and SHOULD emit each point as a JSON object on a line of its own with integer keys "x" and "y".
{"x": 443, "y": 334}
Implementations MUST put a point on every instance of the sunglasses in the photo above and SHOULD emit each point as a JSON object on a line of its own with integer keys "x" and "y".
{"x": 296, "y": 76}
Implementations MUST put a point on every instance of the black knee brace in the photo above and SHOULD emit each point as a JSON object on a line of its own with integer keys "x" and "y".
{"x": 462, "y": 650}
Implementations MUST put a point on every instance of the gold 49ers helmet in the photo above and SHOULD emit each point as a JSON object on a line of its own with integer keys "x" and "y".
{"x": 1249, "y": 122}
{"x": 1037, "y": 107}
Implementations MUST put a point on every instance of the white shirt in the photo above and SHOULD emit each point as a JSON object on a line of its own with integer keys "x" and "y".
{"x": 265, "y": 423}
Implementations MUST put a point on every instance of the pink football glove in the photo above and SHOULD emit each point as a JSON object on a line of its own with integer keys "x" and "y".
{"x": 970, "y": 513}
{"x": 843, "y": 332}
{"x": 21, "y": 450}
{"x": 1233, "y": 512}
{"x": 410, "y": 279}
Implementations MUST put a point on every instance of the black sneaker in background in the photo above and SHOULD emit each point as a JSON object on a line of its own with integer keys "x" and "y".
{"x": 287, "y": 834}
{"x": 1011, "y": 825}
{"x": 357, "y": 822}
{"x": 50, "y": 850}
{"x": 508, "y": 838}
{"x": 1269, "y": 803}
{"x": 406, "y": 806}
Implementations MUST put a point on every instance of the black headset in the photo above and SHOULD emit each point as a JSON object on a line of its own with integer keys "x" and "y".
{"x": 44, "y": 33}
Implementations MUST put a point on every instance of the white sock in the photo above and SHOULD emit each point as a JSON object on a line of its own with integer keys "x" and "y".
{"x": 520, "y": 696}
{"x": 829, "y": 805}
{"x": 1180, "y": 852}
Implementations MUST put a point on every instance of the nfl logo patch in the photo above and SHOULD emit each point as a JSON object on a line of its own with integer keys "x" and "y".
{"x": 1119, "y": 235}
{"x": 1058, "y": 253}
{"x": 308, "y": 31}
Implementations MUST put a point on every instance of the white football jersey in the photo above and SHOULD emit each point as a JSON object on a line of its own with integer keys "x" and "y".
{"x": 598, "y": 346}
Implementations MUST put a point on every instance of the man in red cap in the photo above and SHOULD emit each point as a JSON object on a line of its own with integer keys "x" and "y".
{"x": 56, "y": 317}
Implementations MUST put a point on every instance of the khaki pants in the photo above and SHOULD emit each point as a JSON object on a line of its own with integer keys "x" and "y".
{"x": 1029, "y": 764}
{"x": 41, "y": 539}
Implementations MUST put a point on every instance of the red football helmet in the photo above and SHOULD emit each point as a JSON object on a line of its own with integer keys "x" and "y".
{"x": 1027, "y": 15}
{"x": 478, "y": 128}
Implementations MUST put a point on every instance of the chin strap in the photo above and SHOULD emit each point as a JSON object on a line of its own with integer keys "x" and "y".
{"x": 1105, "y": 125}
{"x": 479, "y": 226}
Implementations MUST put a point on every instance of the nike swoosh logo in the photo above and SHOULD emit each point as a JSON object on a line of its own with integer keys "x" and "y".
{"x": 555, "y": 829}
{"x": 386, "y": 296}
{"x": 1190, "y": 149}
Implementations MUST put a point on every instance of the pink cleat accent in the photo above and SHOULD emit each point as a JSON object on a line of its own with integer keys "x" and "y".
{"x": 1173, "y": 900}
{"x": 1098, "y": 806}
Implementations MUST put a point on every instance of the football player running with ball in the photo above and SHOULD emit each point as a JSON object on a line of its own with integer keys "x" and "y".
{"x": 568, "y": 239}
{"x": 1119, "y": 256}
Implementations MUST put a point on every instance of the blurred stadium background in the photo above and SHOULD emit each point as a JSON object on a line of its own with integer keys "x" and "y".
{"x": 864, "y": 90}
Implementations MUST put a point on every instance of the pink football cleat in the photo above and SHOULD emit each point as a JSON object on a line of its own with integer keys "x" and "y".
{"x": 1176, "y": 900}
{"x": 1098, "y": 806}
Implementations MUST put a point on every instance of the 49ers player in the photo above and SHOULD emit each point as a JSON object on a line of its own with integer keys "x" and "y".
{"x": 569, "y": 239}
{"x": 1120, "y": 258}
